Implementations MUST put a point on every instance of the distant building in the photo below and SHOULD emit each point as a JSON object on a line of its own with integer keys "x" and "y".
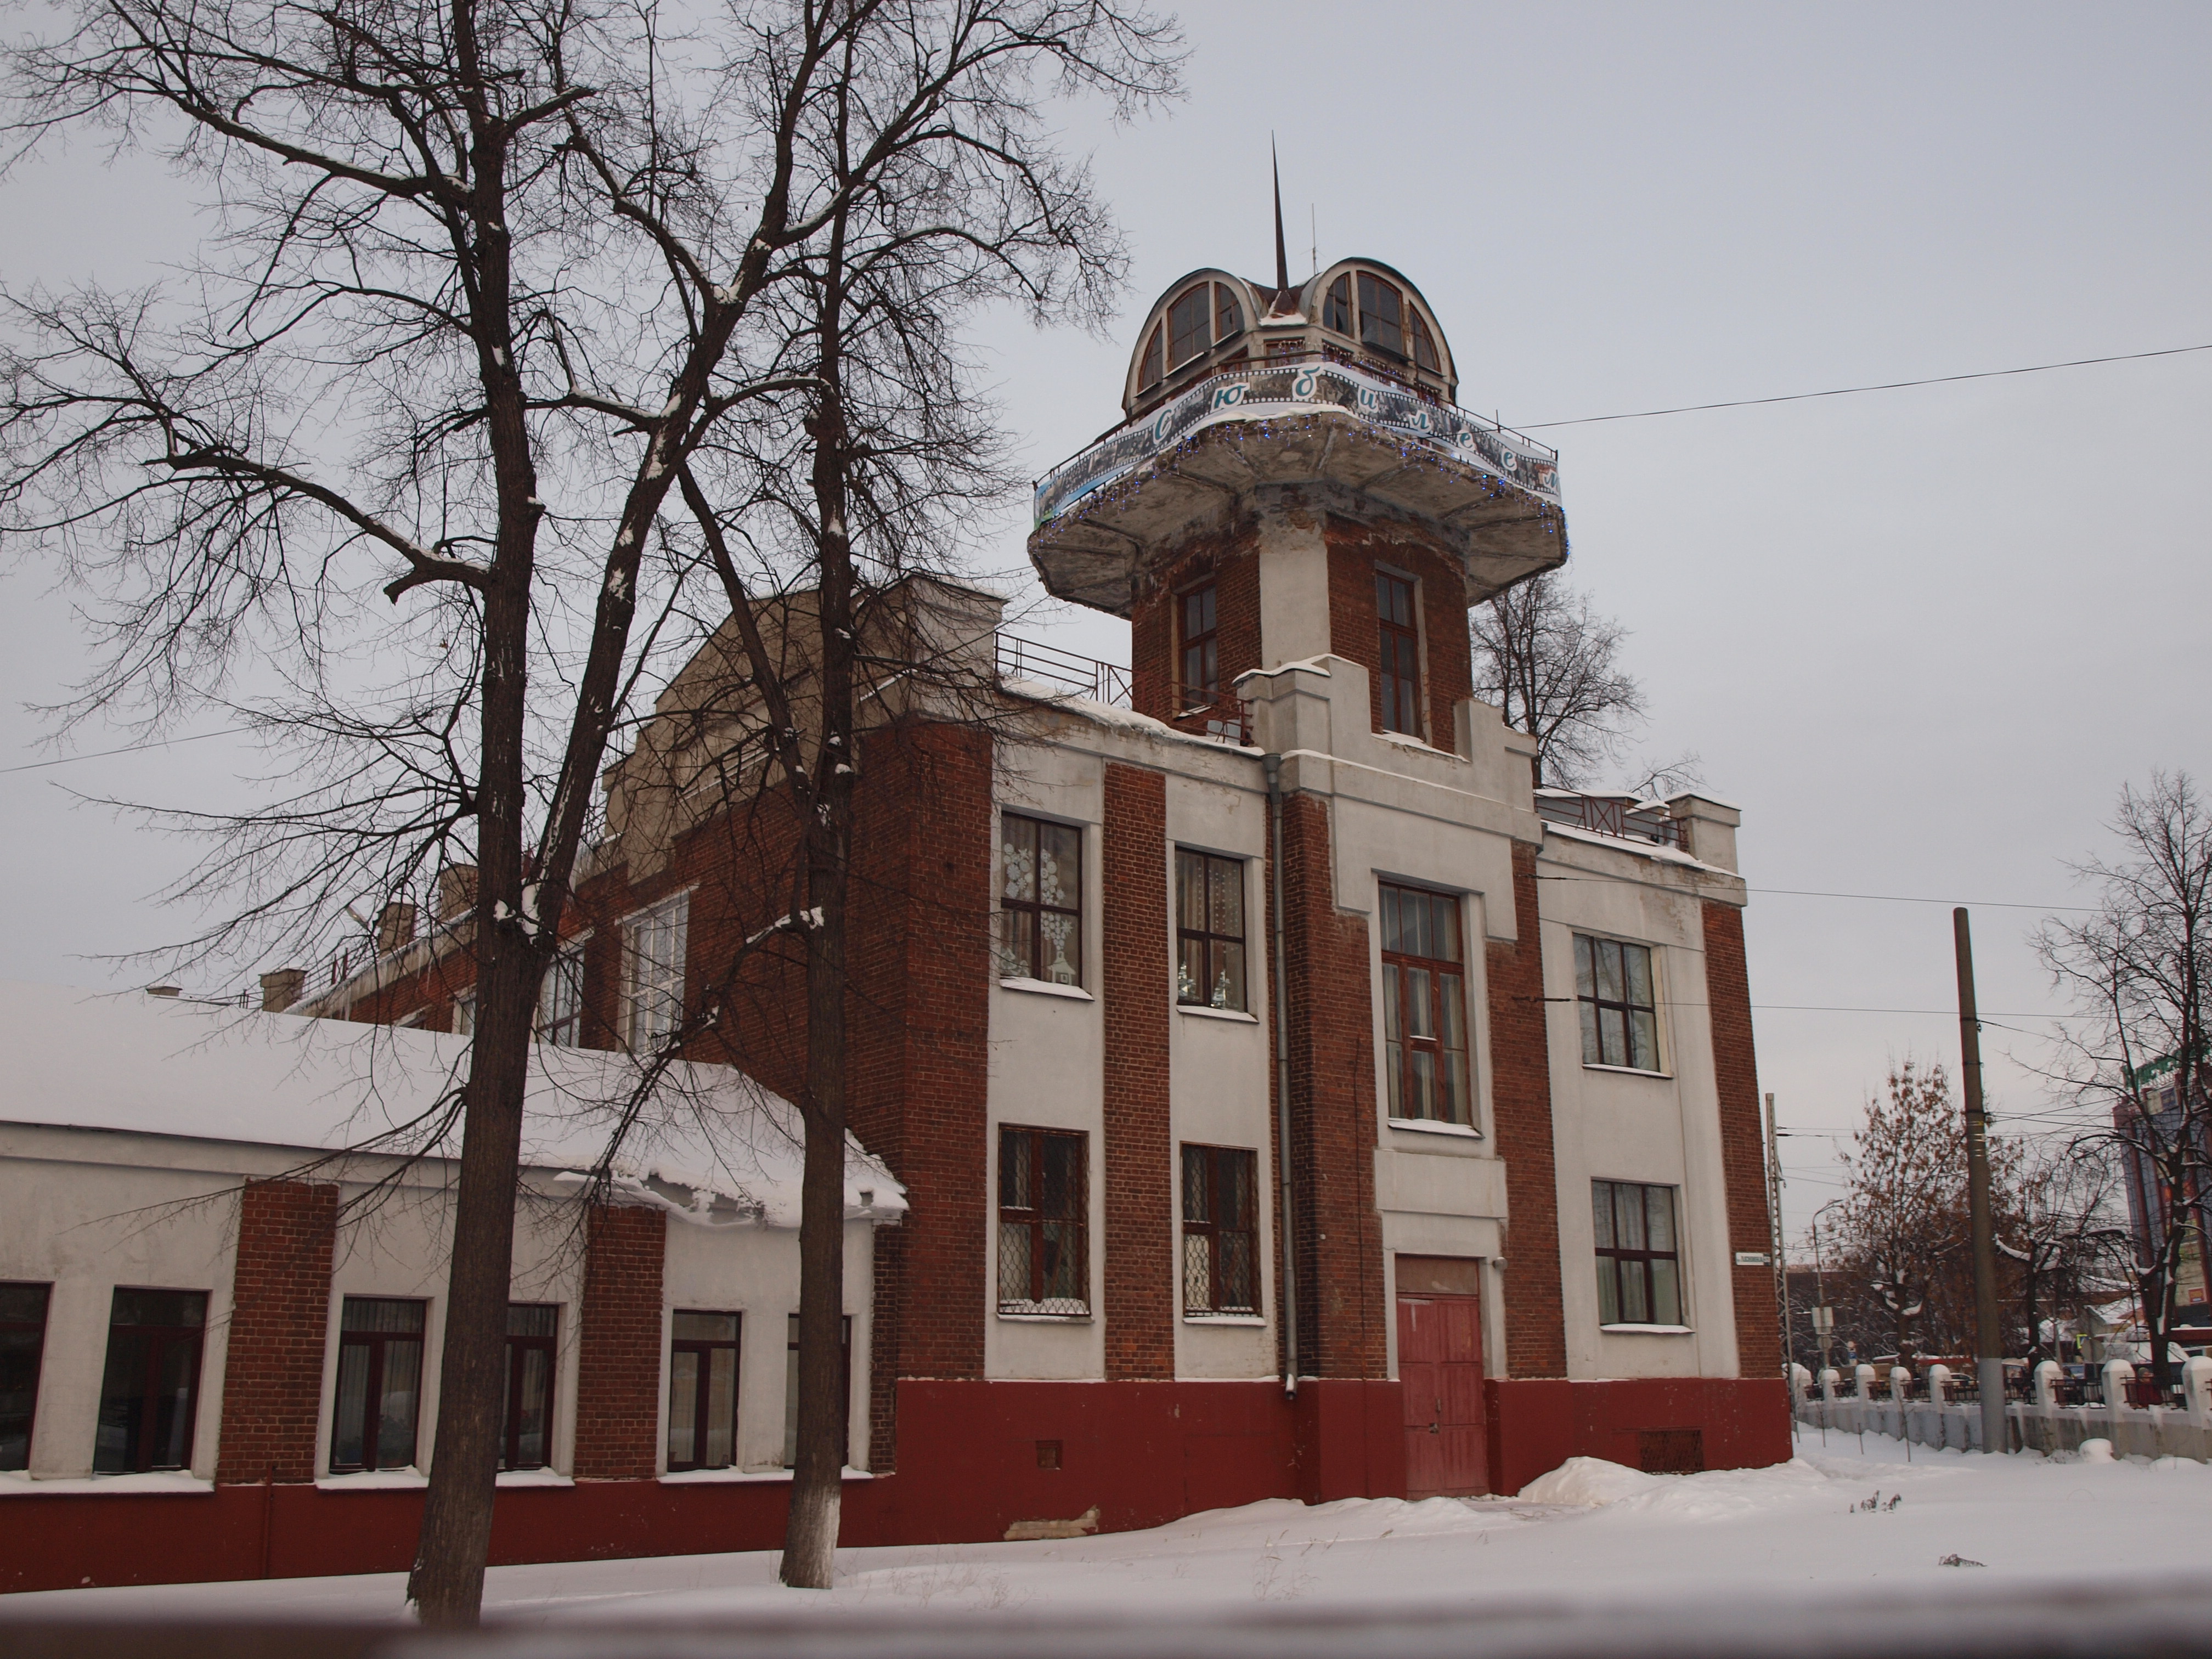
{"x": 1441, "y": 1169}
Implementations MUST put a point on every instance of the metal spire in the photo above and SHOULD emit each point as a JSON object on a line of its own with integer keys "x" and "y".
{"x": 1282, "y": 258}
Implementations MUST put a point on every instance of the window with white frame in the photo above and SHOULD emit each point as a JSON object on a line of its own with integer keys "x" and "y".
{"x": 653, "y": 978}
{"x": 1618, "y": 1007}
{"x": 561, "y": 994}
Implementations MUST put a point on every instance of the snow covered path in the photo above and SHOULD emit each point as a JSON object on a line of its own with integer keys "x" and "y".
{"x": 1838, "y": 1528}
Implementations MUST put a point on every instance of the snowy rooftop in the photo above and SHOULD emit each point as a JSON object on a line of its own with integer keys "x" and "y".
{"x": 707, "y": 1141}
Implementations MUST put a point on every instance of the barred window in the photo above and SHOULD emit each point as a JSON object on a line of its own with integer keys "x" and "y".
{"x": 1210, "y": 930}
{"x": 1044, "y": 1205}
{"x": 1040, "y": 900}
{"x": 1619, "y": 1014}
{"x": 1219, "y": 1274}
{"x": 1639, "y": 1277}
{"x": 1424, "y": 1007}
{"x": 654, "y": 992}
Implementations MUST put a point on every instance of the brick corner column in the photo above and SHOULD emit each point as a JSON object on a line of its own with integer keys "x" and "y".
{"x": 1138, "y": 1153}
{"x": 1521, "y": 1106}
{"x": 1743, "y": 1158}
{"x": 618, "y": 1357}
{"x": 272, "y": 1382}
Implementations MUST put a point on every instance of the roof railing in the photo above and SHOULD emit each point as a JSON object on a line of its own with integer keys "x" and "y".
{"x": 1067, "y": 673}
{"x": 1624, "y": 816}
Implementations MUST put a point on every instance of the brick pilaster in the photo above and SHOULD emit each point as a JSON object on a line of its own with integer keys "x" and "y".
{"x": 618, "y": 1363}
{"x": 272, "y": 1382}
{"x": 1137, "y": 1155}
{"x": 1521, "y": 1111}
{"x": 1337, "y": 1233}
{"x": 1743, "y": 1161}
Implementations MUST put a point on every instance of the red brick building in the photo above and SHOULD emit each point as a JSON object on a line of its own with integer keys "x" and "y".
{"x": 1289, "y": 1099}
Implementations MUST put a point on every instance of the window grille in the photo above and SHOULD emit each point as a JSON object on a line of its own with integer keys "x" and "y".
{"x": 1219, "y": 1265}
{"x": 1044, "y": 1235}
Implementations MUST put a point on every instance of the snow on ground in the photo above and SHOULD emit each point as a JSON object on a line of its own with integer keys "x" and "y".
{"x": 1848, "y": 1523}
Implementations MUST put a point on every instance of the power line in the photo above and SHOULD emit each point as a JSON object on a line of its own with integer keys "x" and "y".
{"x": 1849, "y": 391}
{"x": 1904, "y": 899}
{"x": 127, "y": 748}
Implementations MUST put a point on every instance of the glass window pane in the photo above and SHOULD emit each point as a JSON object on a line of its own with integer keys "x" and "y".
{"x": 1638, "y": 959}
{"x": 1447, "y": 928}
{"x": 1393, "y": 1062}
{"x": 1225, "y": 889}
{"x": 1060, "y": 947}
{"x": 1236, "y": 1189}
{"x": 1228, "y": 315}
{"x": 1644, "y": 1038}
{"x": 1608, "y": 970}
{"x": 369, "y": 1313}
{"x": 350, "y": 1418}
{"x": 1018, "y": 857}
{"x": 1190, "y": 970}
{"x": 23, "y": 1304}
{"x": 402, "y": 1389}
{"x": 176, "y": 1369}
{"x": 1453, "y": 1003}
{"x": 1190, "y": 890}
{"x": 1390, "y": 993}
{"x": 1393, "y": 931}
{"x": 1336, "y": 309}
{"x": 1602, "y": 1212}
{"x": 1608, "y": 1291}
{"x": 1659, "y": 1207}
{"x": 530, "y": 1422}
{"x": 1186, "y": 325}
{"x": 1633, "y": 1310}
{"x": 1613, "y": 1036}
{"x": 1060, "y": 854}
{"x": 721, "y": 1447}
{"x": 1591, "y": 1051}
{"x": 1061, "y": 1252}
{"x": 1459, "y": 1099}
{"x": 1628, "y": 1217}
{"x": 1197, "y": 1273}
{"x": 1420, "y": 1008}
{"x": 19, "y": 1393}
{"x": 1154, "y": 359}
{"x": 122, "y": 1402}
{"x": 1193, "y": 1184}
{"x": 1228, "y": 989}
{"x": 704, "y": 1327}
{"x": 186, "y": 1308}
{"x": 1665, "y": 1292}
{"x": 1237, "y": 1293}
{"x": 1423, "y": 1084}
{"x": 531, "y": 1318}
{"x": 1013, "y": 1170}
{"x": 682, "y": 1408}
{"x": 1017, "y": 943}
{"x": 1585, "y": 969}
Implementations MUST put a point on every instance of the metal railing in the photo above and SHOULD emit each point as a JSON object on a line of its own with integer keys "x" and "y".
{"x": 1611, "y": 815}
{"x": 1067, "y": 673}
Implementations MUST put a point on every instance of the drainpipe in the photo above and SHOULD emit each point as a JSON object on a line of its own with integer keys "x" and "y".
{"x": 1272, "y": 765}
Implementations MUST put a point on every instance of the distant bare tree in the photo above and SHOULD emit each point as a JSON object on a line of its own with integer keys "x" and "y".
{"x": 1903, "y": 1213}
{"x": 490, "y": 281}
{"x": 2139, "y": 969}
{"x": 2056, "y": 1238}
{"x": 1552, "y": 664}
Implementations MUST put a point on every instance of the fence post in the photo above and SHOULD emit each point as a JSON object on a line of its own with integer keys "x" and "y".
{"x": 2117, "y": 1375}
{"x": 2196, "y": 1390}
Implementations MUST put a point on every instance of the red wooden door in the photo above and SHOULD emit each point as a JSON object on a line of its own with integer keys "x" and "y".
{"x": 1440, "y": 1366}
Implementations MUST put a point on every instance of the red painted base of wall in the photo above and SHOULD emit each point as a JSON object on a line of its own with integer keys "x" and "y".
{"x": 1138, "y": 1452}
{"x": 1535, "y": 1426}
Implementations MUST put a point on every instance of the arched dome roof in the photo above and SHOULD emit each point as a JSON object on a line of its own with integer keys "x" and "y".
{"x": 1359, "y": 311}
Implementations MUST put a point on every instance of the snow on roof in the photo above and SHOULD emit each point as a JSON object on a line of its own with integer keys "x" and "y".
{"x": 162, "y": 1065}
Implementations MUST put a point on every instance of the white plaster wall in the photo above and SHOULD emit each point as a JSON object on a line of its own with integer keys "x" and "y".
{"x": 88, "y": 1210}
{"x": 1661, "y": 1128}
{"x": 1048, "y": 1068}
{"x": 86, "y": 1229}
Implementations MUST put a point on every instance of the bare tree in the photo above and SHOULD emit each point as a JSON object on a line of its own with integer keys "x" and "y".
{"x": 491, "y": 281}
{"x": 2139, "y": 969}
{"x": 1904, "y": 1214}
{"x": 1553, "y": 665}
{"x": 2057, "y": 1236}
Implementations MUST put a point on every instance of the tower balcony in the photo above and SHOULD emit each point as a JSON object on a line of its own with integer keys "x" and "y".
{"x": 1488, "y": 494}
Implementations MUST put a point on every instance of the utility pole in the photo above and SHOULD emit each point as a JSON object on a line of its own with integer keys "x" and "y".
{"x": 1774, "y": 1241}
{"x": 1989, "y": 1349}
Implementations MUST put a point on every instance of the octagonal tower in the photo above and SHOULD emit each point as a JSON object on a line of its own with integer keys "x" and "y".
{"x": 1293, "y": 478}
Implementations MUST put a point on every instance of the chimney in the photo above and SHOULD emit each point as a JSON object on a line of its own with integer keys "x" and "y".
{"x": 457, "y": 890}
{"x": 395, "y": 927}
{"x": 280, "y": 989}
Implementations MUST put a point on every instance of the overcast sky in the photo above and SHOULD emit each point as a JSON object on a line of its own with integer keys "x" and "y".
{"x": 1923, "y": 637}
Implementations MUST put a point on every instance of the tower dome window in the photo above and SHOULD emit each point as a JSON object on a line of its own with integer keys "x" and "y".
{"x": 1381, "y": 316}
{"x": 1186, "y": 325}
{"x": 1228, "y": 315}
{"x": 1155, "y": 364}
{"x": 1204, "y": 315}
{"x": 1424, "y": 343}
{"x": 1336, "y": 309}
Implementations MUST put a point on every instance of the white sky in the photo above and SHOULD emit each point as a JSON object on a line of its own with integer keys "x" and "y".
{"x": 1922, "y": 637}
